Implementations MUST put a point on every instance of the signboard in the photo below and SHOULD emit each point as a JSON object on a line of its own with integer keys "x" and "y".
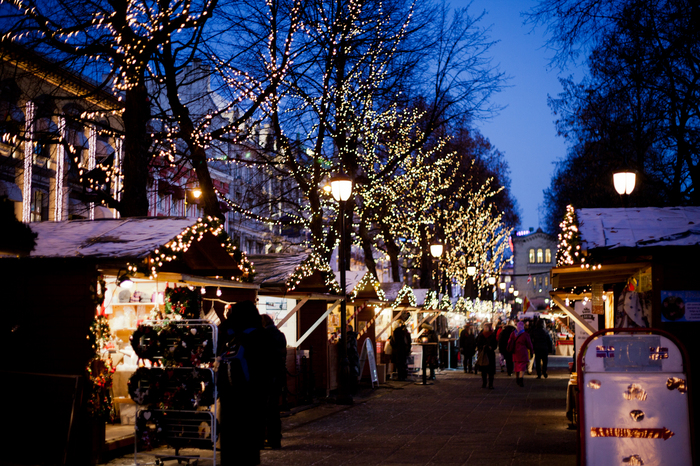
{"x": 634, "y": 398}
{"x": 585, "y": 310}
{"x": 680, "y": 306}
{"x": 368, "y": 355}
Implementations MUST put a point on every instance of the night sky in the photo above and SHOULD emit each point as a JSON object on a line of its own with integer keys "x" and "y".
{"x": 524, "y": 131}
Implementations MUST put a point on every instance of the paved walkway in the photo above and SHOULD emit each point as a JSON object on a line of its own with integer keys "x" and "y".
{"x": 453, "y": 422}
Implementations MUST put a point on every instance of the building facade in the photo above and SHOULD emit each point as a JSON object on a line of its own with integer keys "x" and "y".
{"x": 534, "y": 255}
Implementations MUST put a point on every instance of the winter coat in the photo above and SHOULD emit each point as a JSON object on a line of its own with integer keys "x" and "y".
{"x": 503, "y": 338}
{"x": 488, "y": 343}
{"x": 520, "y": 343}
{"x": 467, "y": 343}
{"x": 400, "y": 345}
{"x": 541, "y": 340}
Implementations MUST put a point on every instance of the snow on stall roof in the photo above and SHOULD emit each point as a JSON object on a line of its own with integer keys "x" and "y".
{"x": 106, "y": 238}
{"x": 640, "y": 227}
{"x": 275, "y": 269}
{"x": 391, "y": 290}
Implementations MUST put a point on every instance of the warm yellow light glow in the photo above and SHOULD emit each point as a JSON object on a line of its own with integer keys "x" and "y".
{"x": 196, "y": 192}
{"x": 502, "y": 285}
{"x": 492, "y": 281}
{"x": 341, "y": 187}
{"x": 624, "y": 182}
{"x": 436, "y": 250}
{"x": 471, "y": 270}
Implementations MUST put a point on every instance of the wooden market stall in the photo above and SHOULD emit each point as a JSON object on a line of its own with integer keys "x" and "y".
{"x": 75, "y": 281}
{"x": 300, "y": 292}
{"x": 641, "y": 272}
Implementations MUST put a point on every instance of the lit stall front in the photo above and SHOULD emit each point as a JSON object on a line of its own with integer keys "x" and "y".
{"x": 300, "y": 292}
{"x": 635, "y": 268}
{"x": 84, "y": 290}
{"x": 399, "y": 302}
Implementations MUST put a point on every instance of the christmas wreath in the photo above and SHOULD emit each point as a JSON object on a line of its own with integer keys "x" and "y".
{"x": 146, "y": 343}
{"x": 186, "y": 389}
{"x": 145, "y": 385}
{"x": 175, "y": 350}
{"x": 149, "y": 429}
{"x": 200, "y": 342}
{"x": 183, "y": 302}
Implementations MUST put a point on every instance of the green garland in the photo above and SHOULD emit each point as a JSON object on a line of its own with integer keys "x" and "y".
{"x": 183, "y": 302}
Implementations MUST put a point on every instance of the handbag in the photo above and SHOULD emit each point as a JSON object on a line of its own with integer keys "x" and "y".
{"x": 387, "y": 348}
{"x": 483, "y": 359}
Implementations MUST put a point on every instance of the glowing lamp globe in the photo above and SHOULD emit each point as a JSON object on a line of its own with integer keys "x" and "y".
{"x": 436, "y": 250}
{"x": 341, "y": 187}
{"x": 471, "y": 270}
{"x": 624, "y": 182}
{"x": 492, "y": 280}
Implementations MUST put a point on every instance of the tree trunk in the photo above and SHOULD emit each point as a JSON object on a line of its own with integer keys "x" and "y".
{"x": 137, "y": 112}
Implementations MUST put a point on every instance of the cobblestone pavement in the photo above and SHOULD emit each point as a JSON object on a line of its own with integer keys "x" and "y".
{"x": 452, "y": 422}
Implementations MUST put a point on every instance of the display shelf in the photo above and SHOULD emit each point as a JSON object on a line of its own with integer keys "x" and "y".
{"x": 133, "y": 304}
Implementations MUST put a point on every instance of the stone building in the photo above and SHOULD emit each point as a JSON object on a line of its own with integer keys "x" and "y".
{"x": 534, "y": 255}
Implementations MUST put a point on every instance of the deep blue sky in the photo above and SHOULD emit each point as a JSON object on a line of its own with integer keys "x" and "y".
{"x": 524, "y": 131}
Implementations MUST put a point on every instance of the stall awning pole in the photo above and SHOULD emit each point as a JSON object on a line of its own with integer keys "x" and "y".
{"x": 571, "y": 313}
{"x": 316, "y": 324}
{"x": 292, "y": 312}
{"x": 392, "y": 321}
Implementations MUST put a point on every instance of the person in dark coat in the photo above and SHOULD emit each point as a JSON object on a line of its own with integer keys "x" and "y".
{"x": 401, "y": 350}
{"x": 467, "y": 346}
{"x": 353, "y": 359}
{"x": 245, "y": 375}
{"x": 542, "y": 343}
{"x": 431, "y": 351}
{"x": 273, "y": 423}
{"x": 486, "y": 341}
{"x": 503, "y": 346}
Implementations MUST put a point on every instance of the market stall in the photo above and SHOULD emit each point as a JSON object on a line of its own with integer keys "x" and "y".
{"x": 300, "y": 292}
{"x": 637, "y": 268}
{"x": 84, "y": 290}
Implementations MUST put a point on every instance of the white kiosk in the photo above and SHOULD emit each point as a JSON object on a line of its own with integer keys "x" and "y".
{"x": 633, "y": 398}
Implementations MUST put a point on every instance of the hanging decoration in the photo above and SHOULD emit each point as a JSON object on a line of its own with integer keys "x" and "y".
{"x": 183, "y": 302}
{"x": 569, "y": 250}
{"x": 405, "y": 293}
{"x": 173, "y": 250}
{"x": 368, "y": 279}
{"x": 445, "y": 303}
{"x": 314, "y": 263}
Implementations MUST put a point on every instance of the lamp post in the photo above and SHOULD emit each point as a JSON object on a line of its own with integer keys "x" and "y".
{"x": 341, "y": 188}
{"x": 436, "y": 251}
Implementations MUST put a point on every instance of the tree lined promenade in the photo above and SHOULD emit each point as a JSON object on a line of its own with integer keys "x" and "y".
{"x": 453, "y": 422}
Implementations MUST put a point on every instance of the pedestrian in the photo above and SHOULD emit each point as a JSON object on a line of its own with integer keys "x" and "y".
{"x": 245, "y": 375}
{"x": 431, "y": 350}
{"x": 503, "y": 346}
{"x": 519, "y": 345}
{"x": 467, "y": 346}
{"x": 486, "y": 342}
{"x": 542, "y": 344}
{"x": 401, "y": 350}
{"x": 353, "y": 359}
{"x": 273, "y": 423}
{"x": 529, "y": 327}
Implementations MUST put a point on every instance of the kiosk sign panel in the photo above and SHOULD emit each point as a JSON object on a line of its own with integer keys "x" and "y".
{"x": 635, "y": 401}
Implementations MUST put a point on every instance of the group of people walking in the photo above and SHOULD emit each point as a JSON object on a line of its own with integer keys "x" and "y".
{"x": 517, "y": 345}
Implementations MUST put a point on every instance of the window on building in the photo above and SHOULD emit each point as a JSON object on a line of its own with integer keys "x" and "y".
{"x": 540, "y": 256}
{"x": 39, "y": 206}
{"x": 546, "y": 279}
{"x": 548, "y": 255}
{"x": 532, "y": 256}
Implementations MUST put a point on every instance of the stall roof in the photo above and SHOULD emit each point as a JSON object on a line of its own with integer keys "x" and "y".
{"x": 640, "y": 227}
{"x": 119, "y": 241}
{"x": 399, "y": 293}
{"x": 106, "y": 238}
{"x": 361, "y": 284}
{"x": 273, "y": 272}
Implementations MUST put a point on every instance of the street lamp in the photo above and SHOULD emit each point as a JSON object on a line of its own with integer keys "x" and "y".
{"x": 436, "y": 251}
{"x": 624, "y": 181}
{"x": 471, "y": 270}
{"x": 341, "y": 189}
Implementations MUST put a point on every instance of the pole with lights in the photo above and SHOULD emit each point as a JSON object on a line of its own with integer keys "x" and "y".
{"x": 341, "y": 189}
{"x": 436, "y": 251}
